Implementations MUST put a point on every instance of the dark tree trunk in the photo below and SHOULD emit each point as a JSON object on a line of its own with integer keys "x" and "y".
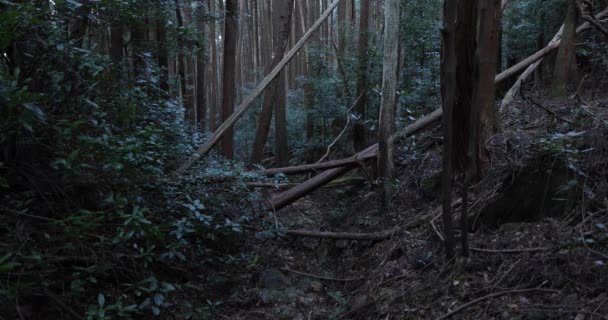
{"x": 359, "y": 133}
{"x": 229, "y": 78}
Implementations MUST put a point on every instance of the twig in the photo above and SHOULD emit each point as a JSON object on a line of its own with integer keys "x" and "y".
{"x": 321, "y": 277}
{"x": 439, "y": 235}
{"x": 506, "y": 273}
{"x": 551, "y": 112}
{"x": 489, "y": 296}
{"x": 348, "y": 116}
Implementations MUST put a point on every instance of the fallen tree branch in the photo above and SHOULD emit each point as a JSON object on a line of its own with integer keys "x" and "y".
{"x": 313, "y": 167}
{"x": 588, "y": 15}
{"x": 281, "y": 200}
{"x": 345, "y": 236}
{"x": 490, "y": 296}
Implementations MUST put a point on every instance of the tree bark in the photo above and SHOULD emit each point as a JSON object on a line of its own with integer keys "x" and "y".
{"x": 359, "y": 130}
{"x": 448, "y": 93}
{"x": 229, "y": 73}
{"x": 565, "y": 63}
{"x": 389, "y": 90}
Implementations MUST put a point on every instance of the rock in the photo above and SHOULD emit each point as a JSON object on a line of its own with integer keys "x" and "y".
{"x": 316, "y": 286}
{"x": 274, "y": 279}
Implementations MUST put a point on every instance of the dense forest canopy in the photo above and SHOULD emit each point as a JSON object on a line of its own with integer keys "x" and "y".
{"x": 180, "y": 159}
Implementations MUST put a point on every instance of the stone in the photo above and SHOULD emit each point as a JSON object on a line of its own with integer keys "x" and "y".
{"x": 316, "y": 286}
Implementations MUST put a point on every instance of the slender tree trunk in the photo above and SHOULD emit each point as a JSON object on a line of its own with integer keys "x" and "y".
{"x": 280, "y": 121}
{"x": 448, "y": 93}
{"x": 162, "y": 54}
{"x": 359, "y": 133}
{"x": 389, "y": 91}
{"x": 214, "y": 101}
{"x": 229, "y": 73}
{"x": 116, "y": 38}
{"x": 486, "y": 61}
{"x": 201, "y": 106}
{"x": 565, "y": 63}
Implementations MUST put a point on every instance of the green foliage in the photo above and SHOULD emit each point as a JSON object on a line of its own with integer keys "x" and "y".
{"x": 89, "y": 217}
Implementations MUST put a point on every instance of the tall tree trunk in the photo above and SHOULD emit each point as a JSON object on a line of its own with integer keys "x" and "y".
{"x": 486, "y": 61}
{"x": 280, "y": 121}
{"x": 281, "y": 17}
{"x": 389, "y": 94}
{"x": 359, "y": 133}
{"x": 201, "y": 105}
{"x": 116, "y": 38}
{"x": 565, "y": 63}
{"x": 229, "y": 78}
{"x": 466, "y": 31}
{"x": 214, "y": 101}
{"x": 162, "y": 54}
{"x": 448, "y": 95}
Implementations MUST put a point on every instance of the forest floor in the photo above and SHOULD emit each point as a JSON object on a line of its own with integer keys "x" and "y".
{"x": 538, "y": 233}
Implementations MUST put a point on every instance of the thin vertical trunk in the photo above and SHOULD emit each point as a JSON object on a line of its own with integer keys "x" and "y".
{"x": 201, "y": 106}
{"x": 116, "y": 38}
{"x": 280, "y": 121}
{"x": 565, "y": 63}
{"x": 389, "y": 94}
{"x": 214, "y": 101}
{"x": 448, "y": 93}
{"x": 162, "y": 54}
{"x": 229, "y": 72}
{"x": 359, "y": 133}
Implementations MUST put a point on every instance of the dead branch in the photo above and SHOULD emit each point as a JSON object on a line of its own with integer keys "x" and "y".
{"x": 345, "y": 236}
{"x": 588, "y": 15}
{"x": 314, "y": 167}
{"x": 348, "y": 116}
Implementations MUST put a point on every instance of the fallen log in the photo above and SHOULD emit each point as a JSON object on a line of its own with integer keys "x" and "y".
{"x": 336, "y": 183}
{"x": 247, "y": 101}
{"x": 283, "y": 199}
{"x": 345, "y": 236}
{"x": 313, "y": 167}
